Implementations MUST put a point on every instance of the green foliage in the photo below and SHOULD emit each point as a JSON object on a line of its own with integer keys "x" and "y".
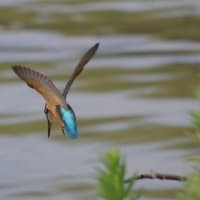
{"x": 196, "y": 115}
{"x": 196, "y": 119}
{"x": 191, "y": 189}
{"x": 111, "y": 175}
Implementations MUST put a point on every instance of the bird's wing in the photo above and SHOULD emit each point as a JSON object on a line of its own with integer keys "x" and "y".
{"x": 84, "y": 60}
{"x": 40, "y": 83}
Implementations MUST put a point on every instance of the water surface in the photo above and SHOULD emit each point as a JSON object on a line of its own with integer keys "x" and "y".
{"x": 136, "y": 95}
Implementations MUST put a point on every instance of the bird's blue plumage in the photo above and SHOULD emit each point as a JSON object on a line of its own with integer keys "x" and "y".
{"x": 68, "y": 117}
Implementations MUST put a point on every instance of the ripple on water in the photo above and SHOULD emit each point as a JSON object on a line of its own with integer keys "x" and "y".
{"x": 13, "y": 2}
{"x": 163, "y": 111}
{"x": 45, "y": 164}
{"x": 125, "y": 6}
{"x": 23, "y": 46}
{"x": 32, "y": 166}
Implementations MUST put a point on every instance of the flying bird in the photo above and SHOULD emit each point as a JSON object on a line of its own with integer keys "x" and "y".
{"x": 56, "y": 105}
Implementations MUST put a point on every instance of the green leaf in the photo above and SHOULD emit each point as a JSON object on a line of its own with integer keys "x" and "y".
{"x": 111, "y": 176}
{"x": 191, "y": 189}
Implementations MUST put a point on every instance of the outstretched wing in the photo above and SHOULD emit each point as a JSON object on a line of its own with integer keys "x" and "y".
{"x": 84, "y": 60}
{"x": 40, "y": 83}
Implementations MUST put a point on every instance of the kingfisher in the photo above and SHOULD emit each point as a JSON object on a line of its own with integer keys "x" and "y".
{"x": 56, "y": 106}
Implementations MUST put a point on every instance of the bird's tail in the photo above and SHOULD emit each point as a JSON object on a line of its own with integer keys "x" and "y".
{"x": 69, "y": 119}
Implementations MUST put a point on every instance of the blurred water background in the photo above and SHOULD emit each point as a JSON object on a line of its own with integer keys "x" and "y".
{"x": 136, "y": 94}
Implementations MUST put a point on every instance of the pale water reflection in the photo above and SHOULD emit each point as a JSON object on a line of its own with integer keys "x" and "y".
{"x": 129, "y": 51}
{"x": 31, "y": 165}
{"x": 136, "y": 94}
{"x": 35, "y": 167}
{"x": 123, "y": 6}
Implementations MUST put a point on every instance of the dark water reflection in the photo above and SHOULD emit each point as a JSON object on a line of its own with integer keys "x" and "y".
{"x": 136, "y": 95}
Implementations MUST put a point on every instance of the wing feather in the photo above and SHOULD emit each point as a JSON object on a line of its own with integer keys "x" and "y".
{"x": 40, "y": 83}
{"x": 78, "y": 69}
